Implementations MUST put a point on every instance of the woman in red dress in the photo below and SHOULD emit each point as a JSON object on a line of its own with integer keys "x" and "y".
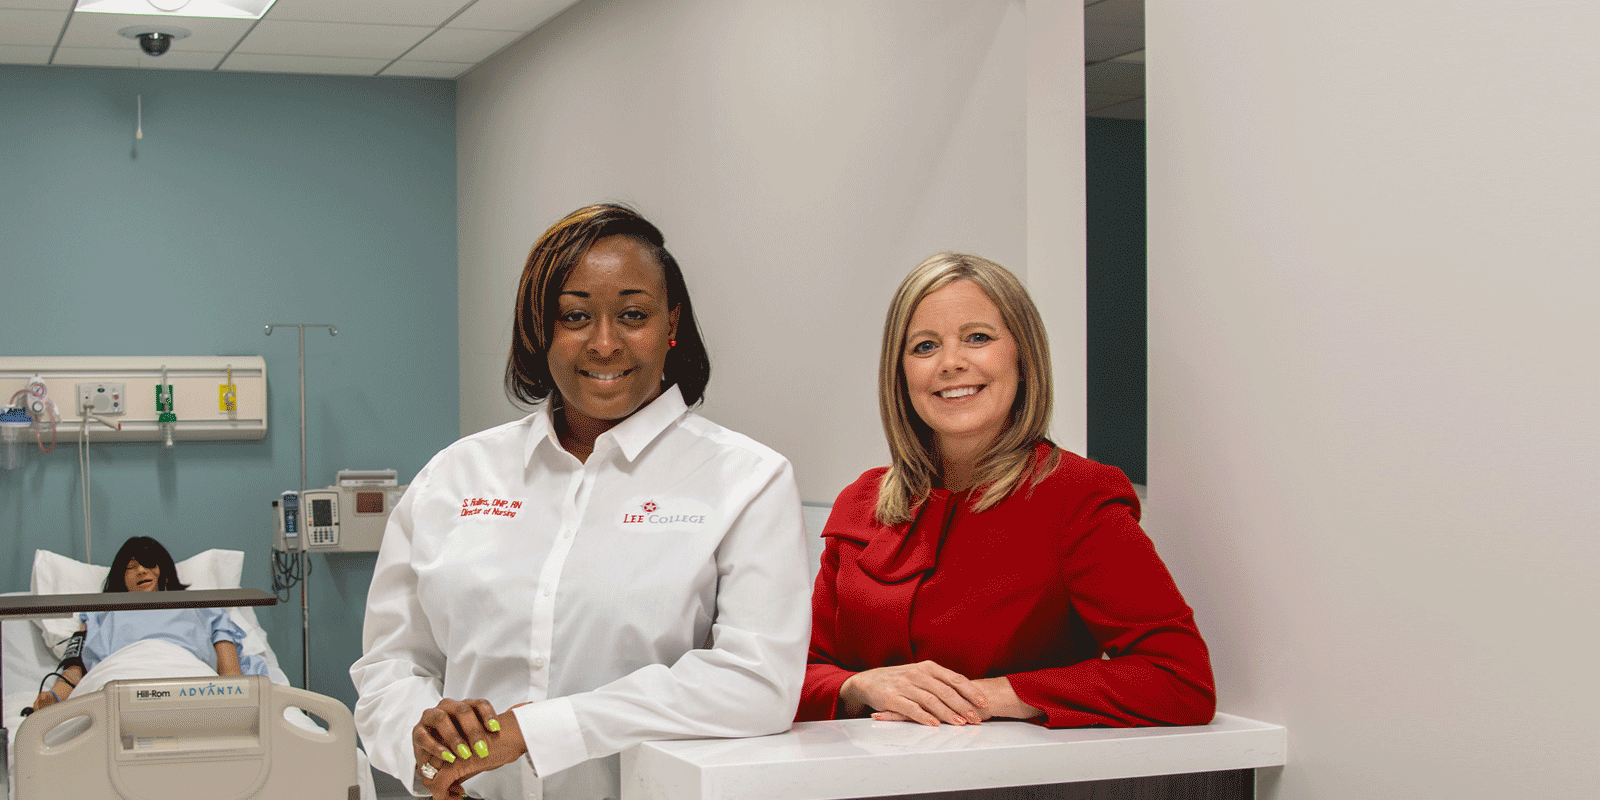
{"x": 986, "y": 572}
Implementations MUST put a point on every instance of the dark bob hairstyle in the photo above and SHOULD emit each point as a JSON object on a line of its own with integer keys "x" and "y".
{"x": 150, "y": 554}
{"x": 552, "y": 259}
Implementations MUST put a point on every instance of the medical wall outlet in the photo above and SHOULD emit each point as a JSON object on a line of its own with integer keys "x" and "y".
{"x": 105, "y": 399}
{"x": 29, "y": 410}
{"x": 227, "y": 397}
{"x": 34, "y": 397}
{"x": 167, "y": 420}
{"x": 194, "y": 378}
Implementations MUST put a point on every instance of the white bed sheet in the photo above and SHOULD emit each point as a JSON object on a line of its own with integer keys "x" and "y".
{"x": 26, "y": 659}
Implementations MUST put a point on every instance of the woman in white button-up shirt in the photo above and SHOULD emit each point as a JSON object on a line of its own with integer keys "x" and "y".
{"x": 608, "y": 570}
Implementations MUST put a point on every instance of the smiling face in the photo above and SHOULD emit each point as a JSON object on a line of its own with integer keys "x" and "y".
{"x": 139, "y": 578}
{"x": 610, "y": 340}
{"x": 961, "y": 373}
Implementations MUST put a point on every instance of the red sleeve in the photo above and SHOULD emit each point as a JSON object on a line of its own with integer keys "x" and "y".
{"x": 819, "y": 696}
{"x": 1158, "y": 671}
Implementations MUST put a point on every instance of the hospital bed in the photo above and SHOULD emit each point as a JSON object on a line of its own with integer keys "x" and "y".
{"x": 204, "y": 713}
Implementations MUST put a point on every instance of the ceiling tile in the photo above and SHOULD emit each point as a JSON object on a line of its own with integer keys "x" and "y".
{"x": 47, "y": 5}
{"x": 207, "y": 34}
{"x": 431, "y": 13}
{"x": 30, "y": 26}
{"x": 1111, "y": 12}
{"x": 314, "y": 65}
{"x": 1133, "y": 109}
{"x": 510, "y": 15}
{"x": 1101, "y": 42}
{"x": 24, "y": 54}
{"x": 407, "y": 68}
{"x": 339, "y": 39}
{"x": 132, "y": 58}
{"x": 456, "y": 44}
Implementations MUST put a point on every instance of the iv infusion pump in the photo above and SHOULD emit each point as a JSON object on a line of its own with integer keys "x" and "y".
{"x": 348, "y": 517}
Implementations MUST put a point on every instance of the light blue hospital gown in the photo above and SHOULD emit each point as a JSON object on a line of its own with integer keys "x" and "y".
{"x": 193, "y": 629}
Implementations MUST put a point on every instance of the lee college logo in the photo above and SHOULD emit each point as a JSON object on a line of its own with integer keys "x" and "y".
{"x": 649, "y": 516}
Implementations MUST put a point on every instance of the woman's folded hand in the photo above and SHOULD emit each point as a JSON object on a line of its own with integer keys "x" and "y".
{"x": 1000, "y": 698}
{"x": 923, "y": 692}
{"x": 458, "y": 739}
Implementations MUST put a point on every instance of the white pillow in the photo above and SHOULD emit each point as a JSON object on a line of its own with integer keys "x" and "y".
{"x": 54, "y": 573}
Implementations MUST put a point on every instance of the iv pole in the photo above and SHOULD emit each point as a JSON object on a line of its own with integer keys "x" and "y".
{"x": 302, "y": 557}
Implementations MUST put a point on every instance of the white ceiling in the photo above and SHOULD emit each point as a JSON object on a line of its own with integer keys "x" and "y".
{"x": 1113, "y": 58}
{"x": 405, "y": 38}
{"x": 432, "y": 39}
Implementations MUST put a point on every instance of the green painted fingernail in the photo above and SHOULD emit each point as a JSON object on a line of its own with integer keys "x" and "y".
{"x": 494, "y": 726}
{"x": 462, "y": 749}
{"x": 449, "y": 757}
{"x": 481, "y": 748}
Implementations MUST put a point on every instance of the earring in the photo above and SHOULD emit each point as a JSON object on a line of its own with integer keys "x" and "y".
{"x": 672, "y": 342}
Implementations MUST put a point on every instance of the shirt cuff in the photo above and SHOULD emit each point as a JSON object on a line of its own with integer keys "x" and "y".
{"x": 550, "y": 730}
{"x": 819, "y": 698}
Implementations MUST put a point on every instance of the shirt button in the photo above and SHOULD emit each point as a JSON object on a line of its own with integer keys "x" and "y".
{"x": 538, "y": 662}
{"x": 546, "y": 591}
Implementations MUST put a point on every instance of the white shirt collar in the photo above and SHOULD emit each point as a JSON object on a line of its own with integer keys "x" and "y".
{"x": 630, "y": 436}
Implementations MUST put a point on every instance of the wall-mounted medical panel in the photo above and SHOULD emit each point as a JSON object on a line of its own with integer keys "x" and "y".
{"x": 127, "y": 400}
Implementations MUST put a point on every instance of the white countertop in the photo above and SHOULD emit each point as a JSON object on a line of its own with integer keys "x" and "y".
{"x": 865, "y": 758}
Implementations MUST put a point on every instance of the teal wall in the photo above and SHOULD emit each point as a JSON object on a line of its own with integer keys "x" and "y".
{"x": 251, "y": 199}
{"x": 1114, "y": 166}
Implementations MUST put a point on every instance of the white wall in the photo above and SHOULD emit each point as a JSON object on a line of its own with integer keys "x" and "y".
{"x": 1374, "y": 460}
{"x": 800, "y": 157}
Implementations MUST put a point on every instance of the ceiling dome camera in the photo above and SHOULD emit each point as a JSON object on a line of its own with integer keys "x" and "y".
{"x": 154, "y": 41}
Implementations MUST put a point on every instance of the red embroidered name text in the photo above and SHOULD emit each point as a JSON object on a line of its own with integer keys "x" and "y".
{"x": 473, "y": 506}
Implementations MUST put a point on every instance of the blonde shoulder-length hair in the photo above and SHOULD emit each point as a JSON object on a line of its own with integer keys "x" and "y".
{"x": 914, "y": 467}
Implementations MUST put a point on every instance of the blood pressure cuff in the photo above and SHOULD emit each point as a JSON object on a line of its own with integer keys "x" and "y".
{"x": 73, "y": 657}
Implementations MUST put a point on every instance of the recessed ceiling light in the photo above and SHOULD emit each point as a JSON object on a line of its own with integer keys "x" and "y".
{"x": 230, "y": 9}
